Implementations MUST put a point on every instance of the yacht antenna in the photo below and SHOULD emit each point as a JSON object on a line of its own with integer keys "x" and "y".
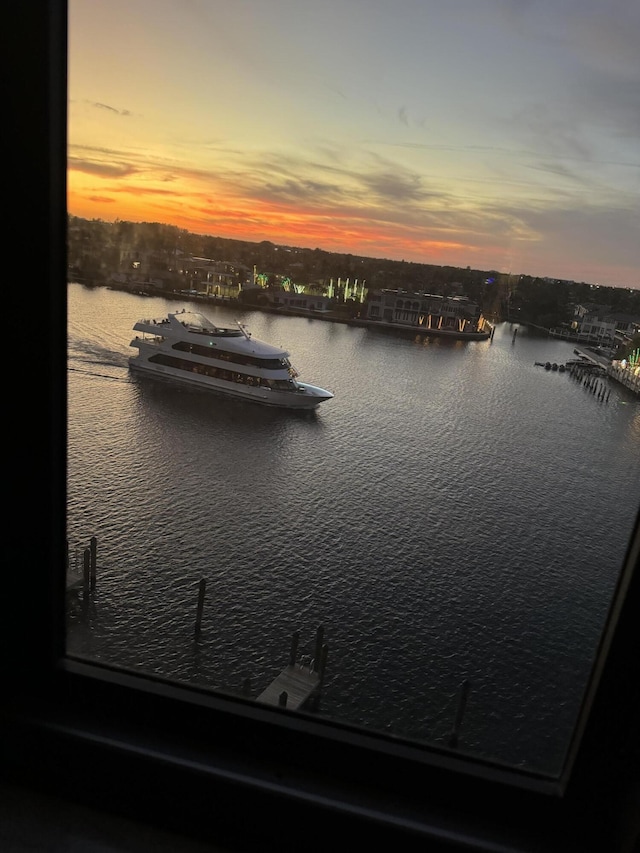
{"x": 243, "y": 329}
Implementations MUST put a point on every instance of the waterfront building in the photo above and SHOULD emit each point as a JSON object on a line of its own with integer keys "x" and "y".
{"x": 277, "y": 296}
{"x": 627, "y": 325}
{"x": 588, "y": 328}
{"x": 299, "y": 301}
{"x": 424, "y": 310}
{"x": 592, "y": 326}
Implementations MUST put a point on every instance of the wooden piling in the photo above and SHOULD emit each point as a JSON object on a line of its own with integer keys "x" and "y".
{"x": 201, "y": 592}
{"x": 295, "y": 639}
{"x": 315, "y": 700}
{"x": 86, "y": 580}
{"x": 93, "y": 550}
{"x": 318, "y": 652}
{"x": 462, "y": 702}
{"x": 86, "y": 572}
{"x": 323, "y": 663}
{"x": 282, "y": 700}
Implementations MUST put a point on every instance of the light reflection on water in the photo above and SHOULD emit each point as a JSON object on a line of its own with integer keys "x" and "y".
{"x": 454, "y": 512}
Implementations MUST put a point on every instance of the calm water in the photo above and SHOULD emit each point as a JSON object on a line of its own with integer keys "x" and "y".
{"x": 454, "y": 513}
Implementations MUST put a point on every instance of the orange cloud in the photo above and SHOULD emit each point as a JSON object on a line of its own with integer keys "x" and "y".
{"x": 242, "y": 219}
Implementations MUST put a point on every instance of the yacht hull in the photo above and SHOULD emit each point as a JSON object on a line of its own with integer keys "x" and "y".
{"x": 309, "y": 398}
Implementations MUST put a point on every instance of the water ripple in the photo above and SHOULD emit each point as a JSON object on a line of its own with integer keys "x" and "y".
{"x": 454, "y": 512}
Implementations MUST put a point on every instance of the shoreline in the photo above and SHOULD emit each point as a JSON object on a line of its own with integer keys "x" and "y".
{"x": 326, "y": 316}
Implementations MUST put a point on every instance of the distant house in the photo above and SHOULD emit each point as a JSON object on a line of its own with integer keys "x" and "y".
{"x": 206, "y": 275}
{"x": 426, "y": 310}
{"x": 299, "y": 301}
{"x": 586, "y": 317}
{"x": 594, "y": 329}
{"x": 628, "y": 324}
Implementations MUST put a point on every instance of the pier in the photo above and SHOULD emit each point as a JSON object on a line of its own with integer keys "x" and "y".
{"x": 627, "y": 376}
{"x": 593, "y": 357}
{"x": 293, "y": 688}
{"x": 299, "y": 684}
{"x": 626, "y": 373}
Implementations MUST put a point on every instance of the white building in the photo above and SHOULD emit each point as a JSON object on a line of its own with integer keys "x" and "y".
{"x": 299, "y": 301}
{"x": 424, "y": 310}
{"x": 594, "y": 329}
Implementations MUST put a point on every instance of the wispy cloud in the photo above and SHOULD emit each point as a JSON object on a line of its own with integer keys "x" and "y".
{"x": 110, "y": 109}
{"x": 102, "y": 169}
{"x": 101, "y": 199}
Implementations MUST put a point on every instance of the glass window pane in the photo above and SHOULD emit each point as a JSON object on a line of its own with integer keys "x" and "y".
{"x": 379, "y": 207}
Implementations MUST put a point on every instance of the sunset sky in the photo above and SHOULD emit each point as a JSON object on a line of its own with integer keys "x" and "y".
{"x": 496, "y": 134}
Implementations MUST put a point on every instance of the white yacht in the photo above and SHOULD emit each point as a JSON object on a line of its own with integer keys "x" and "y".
{"x": 187, "y": 347}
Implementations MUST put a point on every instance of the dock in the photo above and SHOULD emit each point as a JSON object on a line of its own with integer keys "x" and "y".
{"x": 595, "y": 358}
{"x": 625, "y": 373}
{"x": 299, "y": 684}
{"x": 628, "y": 376}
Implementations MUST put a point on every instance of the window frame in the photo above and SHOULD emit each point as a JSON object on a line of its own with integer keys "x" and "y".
{"x": 222, "y": 768}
